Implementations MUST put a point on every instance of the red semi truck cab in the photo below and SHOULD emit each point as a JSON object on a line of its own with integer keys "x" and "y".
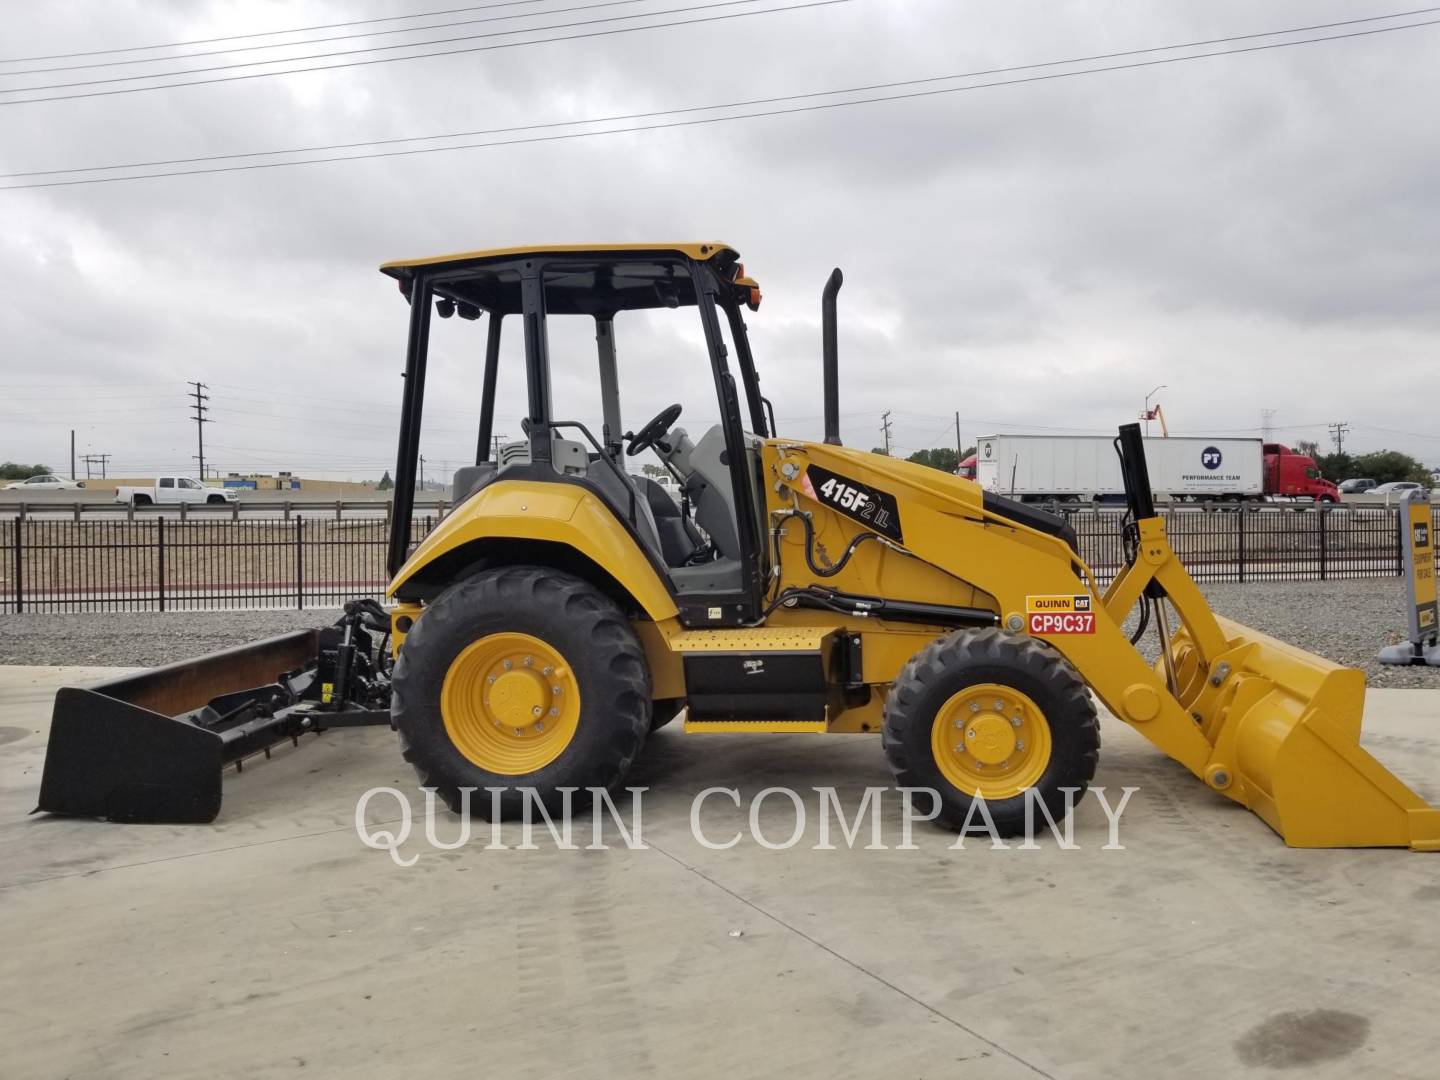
{"x": 967, "y": 468}
{"x": 1296, "y": 475}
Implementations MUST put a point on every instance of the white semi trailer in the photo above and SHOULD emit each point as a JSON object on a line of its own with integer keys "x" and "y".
{"x": 1070, "y": 467}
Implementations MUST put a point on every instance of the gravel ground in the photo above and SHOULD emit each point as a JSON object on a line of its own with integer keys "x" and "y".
{"x": 1345, "y": 621}
{"x": 141, "y": 638}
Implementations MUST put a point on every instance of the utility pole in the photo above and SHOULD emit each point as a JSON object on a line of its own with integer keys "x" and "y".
{"x": 1337, "y": 432}
{"x": 959, "y": 446}
{"x": 885, "y": 430}
{"x": 200, "y": 410}
{"x": 422, "y": 472}
{"x": 72, "y": 455}
{"x": 1267, "y": 423}
{"x": 495, "y": 441}
{"x": 95, "y": 459}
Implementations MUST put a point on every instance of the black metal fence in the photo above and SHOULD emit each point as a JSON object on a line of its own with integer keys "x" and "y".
{"x": 200, "y": 563}
{"x": 167, "y": 564}
{"x": 1258, "y": 543}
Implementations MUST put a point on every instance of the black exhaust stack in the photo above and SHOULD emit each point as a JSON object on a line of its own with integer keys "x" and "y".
{"x": 1131, "y": 448}
{"x": 831, "y": 355}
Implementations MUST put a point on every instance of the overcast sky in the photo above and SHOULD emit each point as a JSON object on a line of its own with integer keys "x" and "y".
{"x": 1255, "y": 231}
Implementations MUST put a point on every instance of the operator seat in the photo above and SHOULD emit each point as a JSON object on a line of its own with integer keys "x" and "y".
{"x": 620, "y": 489}
{"x": 679, "y": 538}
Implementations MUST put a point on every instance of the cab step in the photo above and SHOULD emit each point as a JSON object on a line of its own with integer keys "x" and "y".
{"x": 771, "y": 679}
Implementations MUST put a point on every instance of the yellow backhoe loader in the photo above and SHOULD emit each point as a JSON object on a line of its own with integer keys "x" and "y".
{"x": 567, "y": 606}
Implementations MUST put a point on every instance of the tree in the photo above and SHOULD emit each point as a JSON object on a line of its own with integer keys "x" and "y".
{"x": 1336, "y": 467}
{"x": 943, "y": 458}
{"x": 653, "y": 470}
{"x": 385, "y": 482}
{"x": 1308, "y": 447}
{"x": 879, "y": 450}
{"x": 1387, "y": 465}
{"x": 11, "y": 471}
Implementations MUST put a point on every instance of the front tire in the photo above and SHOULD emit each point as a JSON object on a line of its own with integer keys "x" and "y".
{"x": 987, "y": 714}
{"x": 523, "y": 677}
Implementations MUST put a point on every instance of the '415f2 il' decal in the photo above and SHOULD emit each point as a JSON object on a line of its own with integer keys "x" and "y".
{"x": 870, "y": 506}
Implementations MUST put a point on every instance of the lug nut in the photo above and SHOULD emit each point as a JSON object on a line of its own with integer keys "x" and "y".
{"x": 491, "y": 679}
{"x": 999, "y": 705}
{"x": 535, "y": 711}
{"x": 547, "y": 670}
{"x": 959, "y": 722}
{"x": 554, "y": 712}
{"x": 529, "y": 661}
{"x": 555, "y": 689}
{"x": 508, "y": 665}
{"x": 539, "y": 726}
{"x": 970, "y": 734}
{"x": 1015, "y": 720}
{"x": 974, "y": 706}
{"x": 1019, "y": 744}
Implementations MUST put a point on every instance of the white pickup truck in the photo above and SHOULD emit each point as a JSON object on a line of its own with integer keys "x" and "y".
{"x": 174, "y": 489}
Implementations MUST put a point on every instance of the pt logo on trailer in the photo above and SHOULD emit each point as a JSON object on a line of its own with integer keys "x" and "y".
{"x": 1059, "y": 614}
{"x": 873, "y": 508}
{"x": 1211, "y": 457}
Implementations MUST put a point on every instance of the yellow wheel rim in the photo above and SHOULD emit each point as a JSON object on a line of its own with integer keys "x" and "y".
{"x": 991, "y": 740}
{"x": 510, "y": 703}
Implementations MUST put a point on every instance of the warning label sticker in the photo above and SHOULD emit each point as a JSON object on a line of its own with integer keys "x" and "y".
{"x": 1060, "y": 614}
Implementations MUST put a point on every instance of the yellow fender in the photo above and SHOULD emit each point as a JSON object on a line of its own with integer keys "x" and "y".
{"x": 551, "y": 512}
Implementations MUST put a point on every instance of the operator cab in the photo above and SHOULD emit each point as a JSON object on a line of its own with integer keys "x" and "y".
{"x": 690, "y": 495}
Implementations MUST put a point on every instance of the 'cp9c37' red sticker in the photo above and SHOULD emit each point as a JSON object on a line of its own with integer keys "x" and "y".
{"x": 1059, "y": 614}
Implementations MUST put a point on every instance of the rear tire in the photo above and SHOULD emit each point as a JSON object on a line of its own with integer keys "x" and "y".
{"x": 141, "y": 500}
{"x": 965, "y": 677}
{"x": 583, "y": 644}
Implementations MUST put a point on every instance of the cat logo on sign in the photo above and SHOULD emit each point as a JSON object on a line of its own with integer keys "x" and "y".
{"x": 1059, "y": 614}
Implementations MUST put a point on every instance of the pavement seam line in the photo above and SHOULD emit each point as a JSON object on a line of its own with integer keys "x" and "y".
{"x": 853, "y": 963}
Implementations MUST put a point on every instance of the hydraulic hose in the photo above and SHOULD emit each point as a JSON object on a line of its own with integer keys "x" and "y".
{"x": 835, "y": 567}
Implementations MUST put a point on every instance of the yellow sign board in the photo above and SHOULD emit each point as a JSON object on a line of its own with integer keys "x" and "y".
{"x": 1420, "y": 567}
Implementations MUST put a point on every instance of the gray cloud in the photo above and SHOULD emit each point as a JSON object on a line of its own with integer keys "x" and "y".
{"x": 1254, "y": 231}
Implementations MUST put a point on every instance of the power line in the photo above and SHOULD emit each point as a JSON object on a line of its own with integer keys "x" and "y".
{"x": 790, "y": 111}
{"x": 322, "y": 41}
{"x": 273, "y": 33}
{"x": 410, "y": 45}
{"x": 743, "y": 103}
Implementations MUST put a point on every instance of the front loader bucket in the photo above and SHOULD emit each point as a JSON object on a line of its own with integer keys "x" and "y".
{"x": 150, "y": 747}
{"x": 1285, "y": 727}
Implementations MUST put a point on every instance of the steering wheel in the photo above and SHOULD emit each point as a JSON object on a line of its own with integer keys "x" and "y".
{"x": 652, "y": 432}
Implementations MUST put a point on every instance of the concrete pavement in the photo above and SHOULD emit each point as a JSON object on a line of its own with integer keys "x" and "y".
{"x": 274, "y": 942}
